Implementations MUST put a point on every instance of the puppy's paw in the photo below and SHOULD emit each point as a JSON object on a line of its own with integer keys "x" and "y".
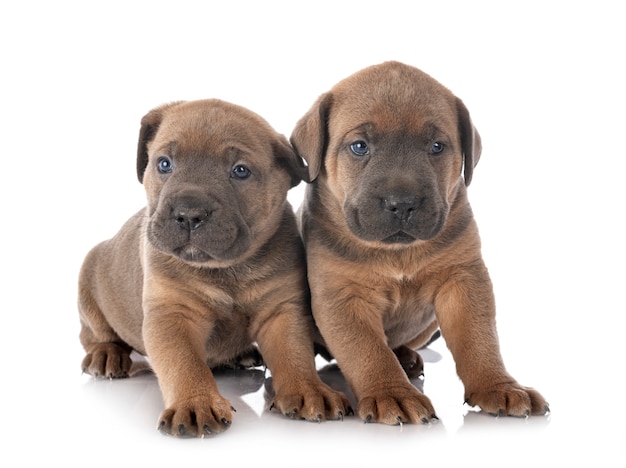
{"x": 313, "y": 401}
{"x": 198, "y": 417}
{"x": 411, "y": 362}
{"x": 397, "y": 405}
{"x": 246, "y": 360}
{"x": 108, "y": 360}
{"x": 509, "y": 399}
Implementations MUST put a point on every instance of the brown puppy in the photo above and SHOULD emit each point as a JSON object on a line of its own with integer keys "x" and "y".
{"x": 213, "y": 264}
{"x": 392, "y": 247}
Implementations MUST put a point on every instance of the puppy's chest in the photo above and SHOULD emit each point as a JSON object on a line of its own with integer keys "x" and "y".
{"x": 229, "y": 336}
{"x": 228, "y": 301}
{"x": 232, "y": 324}
{"x": 234, "y": 301}
{"x": 410, "y": 311}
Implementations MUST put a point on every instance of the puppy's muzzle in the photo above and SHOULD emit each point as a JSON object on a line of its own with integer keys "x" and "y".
{"x": 396, "y": 216}
{"x": 197, "y": 227}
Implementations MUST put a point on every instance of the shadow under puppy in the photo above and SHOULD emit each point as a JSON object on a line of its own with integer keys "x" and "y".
{"x": 213, "y": 264}
{"x": 393, "y": 250}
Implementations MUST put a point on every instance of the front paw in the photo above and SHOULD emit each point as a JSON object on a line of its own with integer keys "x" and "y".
{"x": 509, "y": 399}
{"x": 397, "y": 405}
{"x": 248, "y": 359}
{"x": 198, "y": 417}
{"x": 411, "y": 361}
{"x": 314, "y": 402}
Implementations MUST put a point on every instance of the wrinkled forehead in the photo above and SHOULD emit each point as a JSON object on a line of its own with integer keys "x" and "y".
{"x": 411, "y": 101}
{"x": 213, "y": 130}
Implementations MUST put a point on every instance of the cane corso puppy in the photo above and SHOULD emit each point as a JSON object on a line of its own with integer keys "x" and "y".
{"x": 393, "y": 250}
{"x": 213, "y": 266}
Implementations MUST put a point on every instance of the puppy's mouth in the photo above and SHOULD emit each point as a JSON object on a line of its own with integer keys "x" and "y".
{"x": 399, "y": 237}
{"x": 192, "y": 254}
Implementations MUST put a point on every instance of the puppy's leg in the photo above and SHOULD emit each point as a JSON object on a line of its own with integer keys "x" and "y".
{"x": 175, "y": 338}
{"x": 465, "y": 309}
{"x": 107, "y": 355}
{"x": 286, "y": 342}
{"x": 352, "y": 325}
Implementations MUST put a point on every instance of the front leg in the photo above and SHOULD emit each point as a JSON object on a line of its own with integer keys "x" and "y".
{"x": 465, "y": 309}
{"x": 175, "y": 342}
{"x": 285, "y": 340}
{"x": 349, "y": 316}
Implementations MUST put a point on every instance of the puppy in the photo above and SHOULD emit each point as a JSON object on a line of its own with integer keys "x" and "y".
{"x": 393, "y": 250}
{"x": 212, "y": 265}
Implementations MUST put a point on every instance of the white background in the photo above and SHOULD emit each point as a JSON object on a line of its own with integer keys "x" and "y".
{"x": 544, "y": 82}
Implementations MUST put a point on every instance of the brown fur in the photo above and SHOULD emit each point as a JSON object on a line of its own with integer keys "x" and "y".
{"x": 213, "y": 264}
{"x": 393, "y": 251}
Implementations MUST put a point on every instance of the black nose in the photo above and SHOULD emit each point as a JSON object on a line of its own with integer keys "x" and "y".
{"x": 402, "y": 206}
{"x": 190, "y": 218}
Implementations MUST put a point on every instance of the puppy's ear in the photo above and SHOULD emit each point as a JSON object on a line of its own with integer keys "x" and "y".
{"x": 288, "y": 159}
{"x": 310, "y": 136}
{"x": 149, "y": 125}
{"x": 470, "y": 141}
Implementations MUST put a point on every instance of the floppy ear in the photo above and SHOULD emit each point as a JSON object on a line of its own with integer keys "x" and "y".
{"x": 310, "y": 136}
{"x": 288, "y": 159}
{"x": 470, "y": 141}
{"x": 149, "y": 126}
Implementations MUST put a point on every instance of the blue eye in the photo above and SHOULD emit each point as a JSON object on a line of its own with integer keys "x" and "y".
{"x": 359, "y": 148}
{"x": 164, "y": 165}
{"x": 437, "y": 147}
{"x": 241, "y": 172}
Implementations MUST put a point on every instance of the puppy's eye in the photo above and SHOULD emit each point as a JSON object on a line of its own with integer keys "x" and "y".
{"x": 164, "y": 165}
{"x": 241, "y": 172}
{"x": 359, "y": 148}
{"x": 437, "y": 147}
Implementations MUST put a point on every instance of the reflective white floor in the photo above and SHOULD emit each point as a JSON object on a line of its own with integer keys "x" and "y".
{"x": 105, "y": 423}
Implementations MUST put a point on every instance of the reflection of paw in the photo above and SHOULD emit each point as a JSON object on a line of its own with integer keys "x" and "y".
{"x": 197, "y": 417}
{"x": 509, "y": 399}
{"x": 108, "y": 360}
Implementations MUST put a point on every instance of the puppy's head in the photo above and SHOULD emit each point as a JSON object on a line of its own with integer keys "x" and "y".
{"x": 389, "y": 144}
{"x": 216, "y": 177}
